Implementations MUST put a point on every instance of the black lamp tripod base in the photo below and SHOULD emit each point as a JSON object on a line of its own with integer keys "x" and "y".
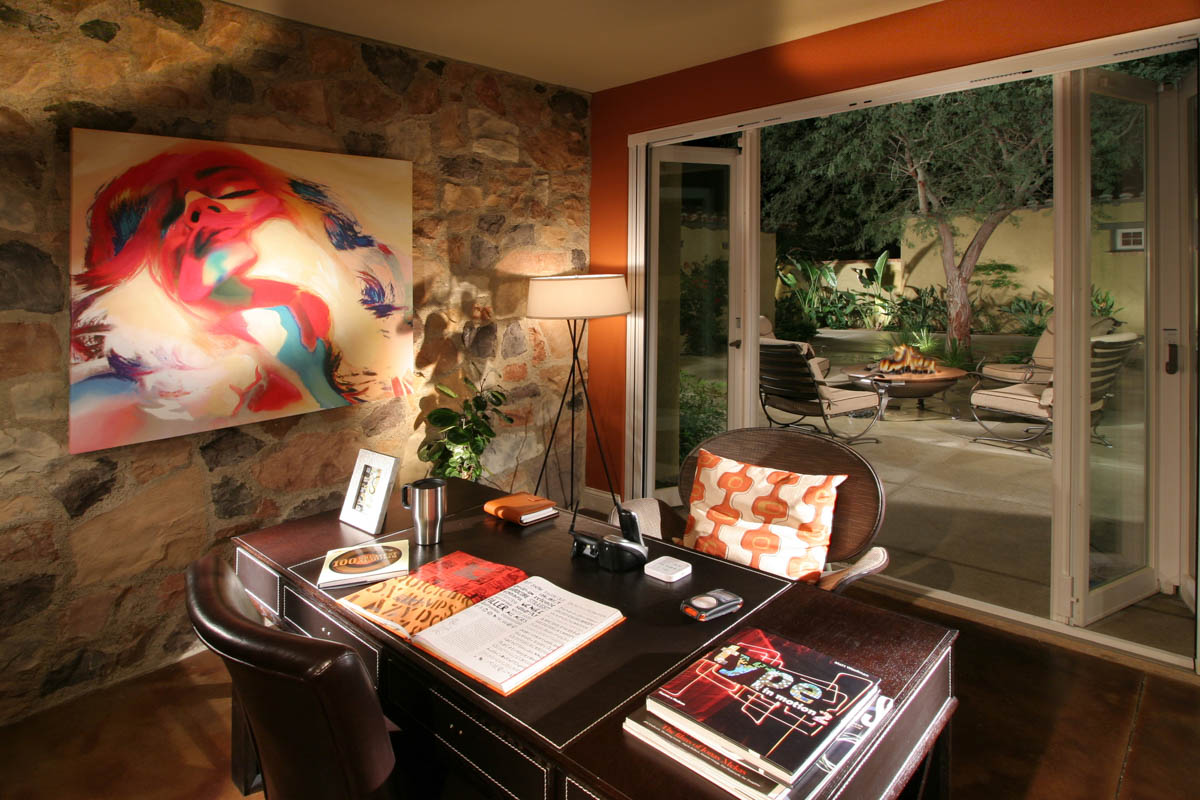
{"x": 576, "y": 328}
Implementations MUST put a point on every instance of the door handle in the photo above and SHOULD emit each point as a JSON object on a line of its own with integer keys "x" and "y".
{"x": 1172, "y": 365}
{"x": 736, "y": 343}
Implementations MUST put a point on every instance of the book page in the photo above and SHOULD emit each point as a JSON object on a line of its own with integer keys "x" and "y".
{"x": 517, "y": 629}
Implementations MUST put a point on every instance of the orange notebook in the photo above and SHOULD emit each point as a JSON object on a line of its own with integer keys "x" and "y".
{"x": 522, "y": 508}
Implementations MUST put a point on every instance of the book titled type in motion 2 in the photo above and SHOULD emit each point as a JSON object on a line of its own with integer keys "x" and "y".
{"x": 765, "y": 701}
{"x": 739, "y": 779}
{"x": 491, "y": 621}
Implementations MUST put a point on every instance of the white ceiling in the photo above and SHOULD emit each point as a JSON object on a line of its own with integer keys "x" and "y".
{"x": 583, "y": 44}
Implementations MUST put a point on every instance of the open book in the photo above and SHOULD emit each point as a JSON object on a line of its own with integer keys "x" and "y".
{"x": 486, "y": 619}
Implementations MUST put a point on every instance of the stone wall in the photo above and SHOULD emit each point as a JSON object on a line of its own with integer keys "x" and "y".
{"x": 93, "y": 547}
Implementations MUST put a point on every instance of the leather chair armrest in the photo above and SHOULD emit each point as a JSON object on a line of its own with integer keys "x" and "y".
{"x": 871, "y": 562}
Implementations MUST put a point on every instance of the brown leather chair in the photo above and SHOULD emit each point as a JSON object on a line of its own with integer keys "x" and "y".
{"x": 314, "y": 716}
{"x": 857, "y": 515}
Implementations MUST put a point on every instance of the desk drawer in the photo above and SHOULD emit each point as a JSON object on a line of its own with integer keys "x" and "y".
{"x": 260, "y": 581}
{"x": 316, "y": 623}
{"x": 514, "y": 771}
{"x": 492, "y": 755}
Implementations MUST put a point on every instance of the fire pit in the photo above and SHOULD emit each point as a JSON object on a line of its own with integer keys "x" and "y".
{"x": 905, "y": 358}
{"x": 906, "y": 373}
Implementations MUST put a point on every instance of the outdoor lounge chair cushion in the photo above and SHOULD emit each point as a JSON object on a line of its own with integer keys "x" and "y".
{"x": 1040, "y": 367}
{"x": 1018, "y": 373}
{"x": 1024, "y": 399}
{"x": 836, "y": 402}
{"x": 770, "y": 519}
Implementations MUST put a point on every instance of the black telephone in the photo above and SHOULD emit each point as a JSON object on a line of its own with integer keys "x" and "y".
{"x": 615, "y": 553}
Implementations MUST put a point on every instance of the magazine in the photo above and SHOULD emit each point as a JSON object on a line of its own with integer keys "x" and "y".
{"x": 765, "y": 701}
{"x": 363, "y": 563}
{"x": 486, "y": 619}
{"x": 741, "y": 780}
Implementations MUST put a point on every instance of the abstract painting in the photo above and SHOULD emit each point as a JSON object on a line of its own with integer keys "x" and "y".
{"x": 220, "y": 284}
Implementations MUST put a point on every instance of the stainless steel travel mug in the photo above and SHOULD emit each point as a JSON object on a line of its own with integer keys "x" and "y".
{"x": 426, "y": 499}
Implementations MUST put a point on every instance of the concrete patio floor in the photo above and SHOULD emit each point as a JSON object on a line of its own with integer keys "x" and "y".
{"x": 972, "y": 518}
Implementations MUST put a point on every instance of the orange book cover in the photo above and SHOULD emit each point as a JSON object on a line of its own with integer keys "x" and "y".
{"x": 437, "y": 590}
{"x": 523, "y": 508}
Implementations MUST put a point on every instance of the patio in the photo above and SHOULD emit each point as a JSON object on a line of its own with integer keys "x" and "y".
{"x": 973, "y": 519}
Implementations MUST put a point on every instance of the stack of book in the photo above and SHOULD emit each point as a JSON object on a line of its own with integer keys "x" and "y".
{"x": 761, "y": 716}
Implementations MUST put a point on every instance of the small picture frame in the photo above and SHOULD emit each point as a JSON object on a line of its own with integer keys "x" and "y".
{"x": 366, "y": 503}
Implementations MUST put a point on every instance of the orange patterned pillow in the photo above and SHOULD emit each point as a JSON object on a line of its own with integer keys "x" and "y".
{"x": 770, "y": 519}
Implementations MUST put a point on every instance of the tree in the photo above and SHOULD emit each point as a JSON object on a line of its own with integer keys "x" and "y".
{"x": 868, "y": 178}
{"x": 846, "y": 185}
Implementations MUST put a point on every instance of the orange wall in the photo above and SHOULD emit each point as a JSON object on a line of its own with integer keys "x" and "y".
{"x": 943, "y": 35}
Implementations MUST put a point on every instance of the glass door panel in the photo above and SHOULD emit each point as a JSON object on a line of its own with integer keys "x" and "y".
{"x": 1122, "y": 219}
{"x": 690, "y": 297}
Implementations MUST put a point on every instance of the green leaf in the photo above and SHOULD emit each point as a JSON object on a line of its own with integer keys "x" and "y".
{"x": 507, "y": 418}
{"x": 443, "y": 418}
{"x": 486, "y": 430}
{"x": 497, "y": 397}
{"x": 480, "y": 404}
{"x": 881, "y": 262}
{"x": 457, "y": 436}
{"x": 446, "y": 390}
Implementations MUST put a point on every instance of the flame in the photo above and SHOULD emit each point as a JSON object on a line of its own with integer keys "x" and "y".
{"x": 907, "y": 359}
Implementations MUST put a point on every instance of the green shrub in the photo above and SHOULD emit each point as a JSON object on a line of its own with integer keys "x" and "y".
{"x": 703, "y": 307}
{"x": 702, "y": 410}
{"x": 791, "y": 322}
{"x": 1104, "y": 304}
{"x": 1031, "y": 314}
{"x": 926, "y": 309}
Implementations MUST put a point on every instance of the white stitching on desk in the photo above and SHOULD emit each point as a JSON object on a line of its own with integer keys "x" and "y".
{"x": 505, "y": 742}
{"x": 582, "y": 788}
{"x": 339, "y": 626}
{"x": 478, "y": 768}
{"x": 278, "y": 607}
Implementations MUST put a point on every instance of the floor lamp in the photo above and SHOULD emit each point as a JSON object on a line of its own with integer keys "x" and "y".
{"x": 576, "y": 299}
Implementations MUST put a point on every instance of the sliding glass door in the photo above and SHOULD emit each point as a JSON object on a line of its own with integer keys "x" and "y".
{"x": 693, "y": 320}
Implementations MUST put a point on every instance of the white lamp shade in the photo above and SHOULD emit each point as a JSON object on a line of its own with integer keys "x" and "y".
{"x": 577, "y": 297}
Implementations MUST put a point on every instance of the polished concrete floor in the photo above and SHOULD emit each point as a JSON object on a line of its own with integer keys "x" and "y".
{"x": 1035, "y": 720}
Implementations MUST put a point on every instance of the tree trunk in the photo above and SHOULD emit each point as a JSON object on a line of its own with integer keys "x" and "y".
{"x": 958, "y": 309}
{"x": 958, "y": 275}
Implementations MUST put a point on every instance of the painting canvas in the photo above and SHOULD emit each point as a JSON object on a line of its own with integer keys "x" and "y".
{"x": 219, "y": 284}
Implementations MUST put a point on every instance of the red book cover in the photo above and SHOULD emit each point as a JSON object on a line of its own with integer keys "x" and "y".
{"x": 765, "y": 699}
{"x": 469, "y": 576}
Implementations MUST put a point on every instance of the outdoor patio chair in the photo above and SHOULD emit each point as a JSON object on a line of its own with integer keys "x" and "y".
{"x": 1039, "y": 368}
{"x": 858, "y": 512}
{"x": 788, "y": 382}
{"x": 1035, "y": 402}
{"x": 820, "y": 364}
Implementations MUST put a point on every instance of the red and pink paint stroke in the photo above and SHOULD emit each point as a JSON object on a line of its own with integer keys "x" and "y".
{"x": 217, "y": 284}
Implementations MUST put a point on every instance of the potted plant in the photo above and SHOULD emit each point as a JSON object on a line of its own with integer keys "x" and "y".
{"x": 464, "y": 434}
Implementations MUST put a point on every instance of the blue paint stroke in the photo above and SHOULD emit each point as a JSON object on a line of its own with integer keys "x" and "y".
{"x": 311, "y": 366}
{"x": 375, "y": 298}
{"x": 341, "y": 227}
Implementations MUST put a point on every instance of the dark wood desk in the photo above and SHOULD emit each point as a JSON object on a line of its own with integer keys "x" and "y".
{"x": 560, "y": 736}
